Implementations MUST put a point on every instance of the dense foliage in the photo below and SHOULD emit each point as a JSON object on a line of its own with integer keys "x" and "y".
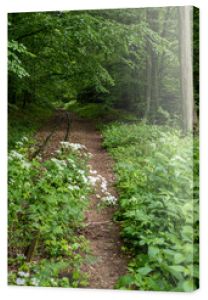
{"x": 158, "y": 205}
{"x": 121, "y": 58}
{"x": 27, "y": 122}
{"x": 45, "y": 214}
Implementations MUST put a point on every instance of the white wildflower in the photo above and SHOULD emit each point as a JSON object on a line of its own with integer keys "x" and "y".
{"x": 93, "y": 180}
{"x": 73, "y": 187}
{"x": 35, "y": 281}
{"x": 20, "y": 281}
{"x": 76, "y": 187}
{"x": 14, "y": 154}
{"x": 58, "y": 151}
{"x": 53, "y": 281}
{"x": 25, "y": 139}
{"x": 70, "y": 160}
{"x": 20, "y": 144}
{"x": 82, "y": 172}
{"x": 60, "y": 164}
{"x": 73, "y": 146}
{"x": 101, "y": 177}
{"x": 93, "y": 172}
{"x": 23, "y": 274}
{"x": 107, "y": 193}
{"x": 84, "y": 178}
{"x": 65, "y": 145}
{"x": 110, "y": 199}
{"x": 38, "y": 157}
{"x": 103, "y": 186}
{"x": 70, "y": 187}
{"x": 71, "y": 163}
{"x": 26, "y": 165}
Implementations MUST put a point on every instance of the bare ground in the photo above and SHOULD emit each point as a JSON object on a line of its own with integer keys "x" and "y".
{"x": 101, "y": 231}
{"x": 59, "y": 119}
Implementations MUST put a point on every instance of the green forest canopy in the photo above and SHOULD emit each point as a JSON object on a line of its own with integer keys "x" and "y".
{"x": 126, "y": 59}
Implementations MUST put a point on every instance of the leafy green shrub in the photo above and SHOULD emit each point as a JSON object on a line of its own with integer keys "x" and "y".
{"x": 157, "y": 210}
{"x": 46, "y": 273}
{"x": 71, "y": 105}
{"x": 90, "y": 110}
{"x": 100, "y": 111}
{"x": 26, "y": 122}
{"x": 46, "y": 210}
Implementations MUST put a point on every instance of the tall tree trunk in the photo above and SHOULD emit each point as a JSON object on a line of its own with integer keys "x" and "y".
{"x": 155, "y": 85}
{"x": 152, "y": 93}
{"x": 186, "y": 65}
{"x": 148, "y": 84}
{"x": 162, "y": 60}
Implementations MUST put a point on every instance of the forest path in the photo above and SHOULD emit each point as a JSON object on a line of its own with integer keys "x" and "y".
{"x": 101, "y": 231}
{"x": 58, "y": 120}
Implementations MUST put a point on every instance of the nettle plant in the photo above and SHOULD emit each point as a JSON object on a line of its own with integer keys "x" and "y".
{"x": 158, "y": 205}
{"x": 46, "y": 211}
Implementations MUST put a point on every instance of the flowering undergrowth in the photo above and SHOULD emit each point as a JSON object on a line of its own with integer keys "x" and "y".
{"x": 46, "y": 212}
{"x": 158, "y": 205}
{"x": 100, "y": 185}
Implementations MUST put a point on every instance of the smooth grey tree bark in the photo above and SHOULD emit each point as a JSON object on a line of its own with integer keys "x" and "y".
{"x": 186, "y": 65}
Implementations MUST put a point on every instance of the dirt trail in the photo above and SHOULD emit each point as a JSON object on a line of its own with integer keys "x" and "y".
{"x": 101, "y": 231}
{"x": 59, "y": 119}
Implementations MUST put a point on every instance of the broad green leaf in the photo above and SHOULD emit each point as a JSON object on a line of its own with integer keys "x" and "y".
{"x": 153, "y": 251}
{"x": 144, "y": 270}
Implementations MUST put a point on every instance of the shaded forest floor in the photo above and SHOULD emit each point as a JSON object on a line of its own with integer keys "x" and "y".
{"x": 103, "y": 234}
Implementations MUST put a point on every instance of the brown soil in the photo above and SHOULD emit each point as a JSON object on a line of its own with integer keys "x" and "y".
{"x": 59, "y": 119}
{"x": 101, "y": 231}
